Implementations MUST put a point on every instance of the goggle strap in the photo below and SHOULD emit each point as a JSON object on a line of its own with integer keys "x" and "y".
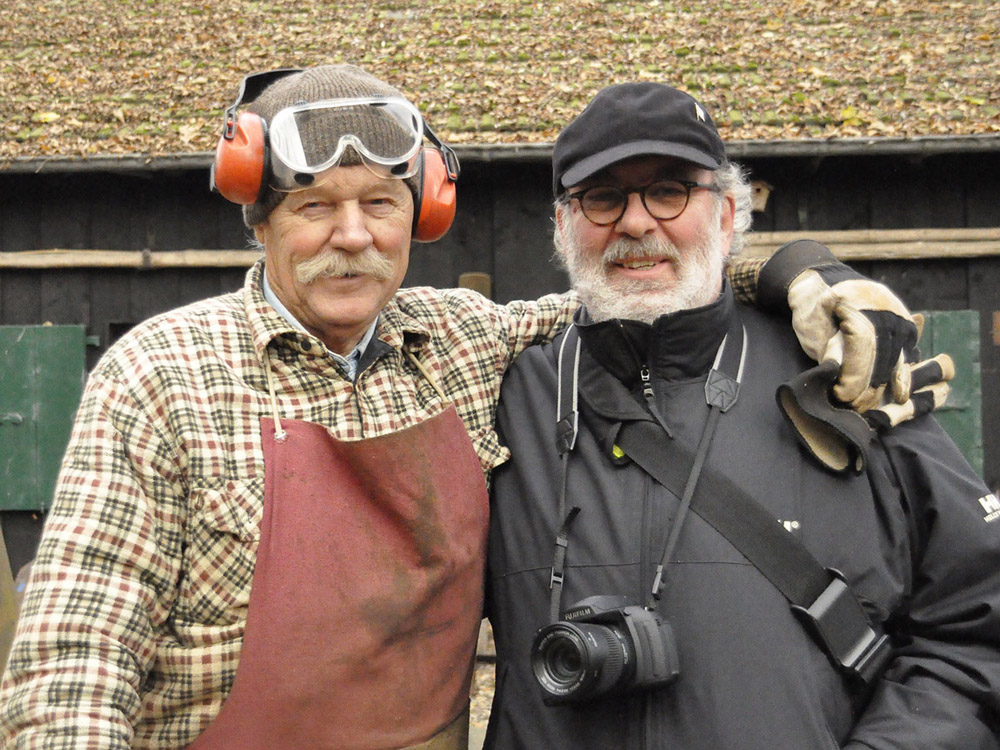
{"x": 251, "y": 87}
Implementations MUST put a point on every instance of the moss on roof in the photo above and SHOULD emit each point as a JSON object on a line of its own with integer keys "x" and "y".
{"x": 90, "y": 77}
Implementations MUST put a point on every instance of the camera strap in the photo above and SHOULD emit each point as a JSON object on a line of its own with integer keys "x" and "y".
{"x": 819, "y": 597}
{"x": 721, "y": 390}
{"x": 722, "y": 387}
{"x": 567, "y": 428}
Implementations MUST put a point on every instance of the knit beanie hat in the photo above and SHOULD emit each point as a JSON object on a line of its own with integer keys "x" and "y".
{"x": 316, "y": 132}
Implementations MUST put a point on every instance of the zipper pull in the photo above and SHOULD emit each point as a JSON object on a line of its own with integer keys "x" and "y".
{"x": 650, "y": 396}
{"x": 647, "y": 385}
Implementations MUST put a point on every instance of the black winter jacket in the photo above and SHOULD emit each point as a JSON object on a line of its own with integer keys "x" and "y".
{"x": 915, "y": 536}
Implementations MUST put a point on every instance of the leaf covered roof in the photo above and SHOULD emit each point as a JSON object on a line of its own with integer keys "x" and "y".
{"x": 105, "y": 77}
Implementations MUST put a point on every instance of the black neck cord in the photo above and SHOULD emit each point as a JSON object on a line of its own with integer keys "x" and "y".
{"x": 721, "y": 390}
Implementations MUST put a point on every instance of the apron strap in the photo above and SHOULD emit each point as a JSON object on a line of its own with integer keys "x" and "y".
{"x": 279, "y": 432}
{"x": 425, "y": 372}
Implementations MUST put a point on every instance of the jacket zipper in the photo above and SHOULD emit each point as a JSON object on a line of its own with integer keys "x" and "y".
{"x": 650, "y": 396}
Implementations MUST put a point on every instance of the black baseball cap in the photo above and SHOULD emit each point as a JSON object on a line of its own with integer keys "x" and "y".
{"x": 635, "y": 119}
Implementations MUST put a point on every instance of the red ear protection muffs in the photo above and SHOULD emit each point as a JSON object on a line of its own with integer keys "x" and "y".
{"x": 241, "y": 160}
{"x": 239, "y": 172}
{"x": 434, "y": 204}
{"x": 241, "y": 156}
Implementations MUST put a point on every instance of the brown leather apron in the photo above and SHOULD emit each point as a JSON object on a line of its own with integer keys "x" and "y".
{"x": 367, "y": 593}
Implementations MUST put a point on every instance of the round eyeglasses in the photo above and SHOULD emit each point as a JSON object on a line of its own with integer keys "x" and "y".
{"x": 663, "y": 199}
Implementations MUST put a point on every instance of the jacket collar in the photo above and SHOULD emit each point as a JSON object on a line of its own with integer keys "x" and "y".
{"x": 395, "y": 328}
{"x": 678, "y": 346}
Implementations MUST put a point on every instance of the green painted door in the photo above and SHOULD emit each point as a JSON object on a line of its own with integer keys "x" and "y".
{"x": 42, "y": 370}
{"x": 956, "y": 332}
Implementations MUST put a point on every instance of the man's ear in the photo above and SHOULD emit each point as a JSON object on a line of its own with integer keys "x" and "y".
{"x": 560, "y": 230}
{"x": 727, "y": 221}
{"x": 258, "y": 232}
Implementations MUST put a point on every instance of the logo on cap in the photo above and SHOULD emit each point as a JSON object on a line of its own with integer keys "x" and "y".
{"x": 699, "y": 112}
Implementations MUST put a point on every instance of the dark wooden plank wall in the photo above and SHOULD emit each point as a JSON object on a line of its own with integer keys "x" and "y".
{"x": 503, "y": 228}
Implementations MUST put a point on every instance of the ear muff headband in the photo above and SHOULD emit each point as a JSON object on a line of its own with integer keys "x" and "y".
{"x": 251, "y": 87}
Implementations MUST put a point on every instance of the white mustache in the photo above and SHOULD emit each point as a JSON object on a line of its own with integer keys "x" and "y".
{"x": 336, "y": 263}
{"x": 639, "y": 249}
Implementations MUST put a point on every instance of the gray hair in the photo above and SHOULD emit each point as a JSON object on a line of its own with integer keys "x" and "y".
{"x": 734, "y": 182}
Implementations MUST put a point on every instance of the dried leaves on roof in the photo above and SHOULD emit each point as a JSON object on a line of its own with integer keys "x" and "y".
{"x": 84, "y": 77}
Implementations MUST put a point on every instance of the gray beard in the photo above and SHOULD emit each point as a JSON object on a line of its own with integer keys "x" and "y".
{"x": 698, "y": 280}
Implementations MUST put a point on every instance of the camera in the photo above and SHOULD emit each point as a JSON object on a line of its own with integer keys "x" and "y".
{"x": 603, "y": 646}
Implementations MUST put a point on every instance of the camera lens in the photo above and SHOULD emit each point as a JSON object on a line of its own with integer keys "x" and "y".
{"x": 563, "y": 660}
{"x": 575, "y": 661}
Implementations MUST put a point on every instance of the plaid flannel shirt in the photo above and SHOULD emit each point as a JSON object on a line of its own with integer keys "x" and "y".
{"x": 131, "y": 628}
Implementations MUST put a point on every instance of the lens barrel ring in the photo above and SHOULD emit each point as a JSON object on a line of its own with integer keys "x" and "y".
{"x": 573, "y": 661}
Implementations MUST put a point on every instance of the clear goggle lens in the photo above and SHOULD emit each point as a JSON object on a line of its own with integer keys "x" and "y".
{"x": 309, "y": 140}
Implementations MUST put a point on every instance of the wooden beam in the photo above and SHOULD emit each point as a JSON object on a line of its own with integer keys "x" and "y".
{"x": 887, "y": 244}
{"x": 140, "y": 259}
{"x": 855, "y": 244}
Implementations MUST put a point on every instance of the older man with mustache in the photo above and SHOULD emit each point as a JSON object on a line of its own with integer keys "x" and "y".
{"x": 270, "y": 527}
{"x": 668, "y": 568}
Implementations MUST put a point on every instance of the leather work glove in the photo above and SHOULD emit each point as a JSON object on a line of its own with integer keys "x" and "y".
{"x": 865, "y": 340}
{"x": 827, "y": 297}
{"x": 839, "y": 437}
{"x": 928, "y": 391}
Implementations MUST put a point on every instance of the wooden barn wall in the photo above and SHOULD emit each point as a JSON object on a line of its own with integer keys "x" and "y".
{"x": 503, "y": 228}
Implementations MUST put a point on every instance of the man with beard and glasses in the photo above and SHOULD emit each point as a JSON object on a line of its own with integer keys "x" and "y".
{"x": 269, "y": 530}
{"x": 669, "y": 565}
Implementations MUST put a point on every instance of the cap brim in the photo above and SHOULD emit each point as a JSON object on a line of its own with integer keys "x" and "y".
{"x": 595, "y": 163}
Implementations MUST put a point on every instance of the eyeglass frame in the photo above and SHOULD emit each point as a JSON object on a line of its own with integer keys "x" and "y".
{"x": 689, "y": 185}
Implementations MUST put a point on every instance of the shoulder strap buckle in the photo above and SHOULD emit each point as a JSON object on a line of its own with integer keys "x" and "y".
{"x": 840, "y": 625}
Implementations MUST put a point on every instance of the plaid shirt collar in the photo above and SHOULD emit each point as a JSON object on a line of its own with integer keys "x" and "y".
{"x": 395, "y": 328}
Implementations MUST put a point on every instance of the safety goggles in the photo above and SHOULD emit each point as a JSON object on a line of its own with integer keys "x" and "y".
{"x": 308, "y": 140}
